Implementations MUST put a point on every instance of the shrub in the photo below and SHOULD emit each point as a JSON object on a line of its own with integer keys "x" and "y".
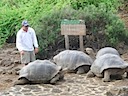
{"x": 110, "y": 4}
{"x": 115, "y": 30}
{"x": 97, "y": 19}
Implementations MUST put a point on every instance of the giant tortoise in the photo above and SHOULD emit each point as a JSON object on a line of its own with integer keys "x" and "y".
{"x": 108, "y": 65}
{"x": 40, "y": 71}
{"x": 73, "y": 61}
{"x": 106, "y": 50}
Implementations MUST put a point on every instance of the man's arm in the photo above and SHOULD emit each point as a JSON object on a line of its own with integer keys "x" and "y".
{"x": 19, "y": 42}
{"x": 35, "y": 42}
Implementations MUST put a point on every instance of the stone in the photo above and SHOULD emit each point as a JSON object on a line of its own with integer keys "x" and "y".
{"x": 118, "y": 91}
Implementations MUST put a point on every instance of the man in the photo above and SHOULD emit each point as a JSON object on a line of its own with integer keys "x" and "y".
{"x": 26, "y": 42}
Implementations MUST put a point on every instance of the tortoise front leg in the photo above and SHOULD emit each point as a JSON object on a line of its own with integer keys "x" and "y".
{"x": 80, "y": 70}
{"x": 90, "y": 74}
{"x": 55, "y": 79}
{"x": 61, "y": 74}
{"x": 22, "y": 81}
{"x": 106, "y": 76}
{"x": 126, "y": 70}
{"x": 126, "y": 74}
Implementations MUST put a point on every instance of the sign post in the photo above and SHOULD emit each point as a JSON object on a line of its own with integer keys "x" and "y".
{"x": 73, "y": 27}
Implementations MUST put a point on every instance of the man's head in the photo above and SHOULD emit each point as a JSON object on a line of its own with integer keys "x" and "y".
{"x": 25, "y": 25}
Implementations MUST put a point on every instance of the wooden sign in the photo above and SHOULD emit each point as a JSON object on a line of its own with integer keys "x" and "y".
{"x": 73, "y": 27}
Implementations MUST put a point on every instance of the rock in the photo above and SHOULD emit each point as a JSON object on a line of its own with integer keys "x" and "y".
{"x": 14, "y": 52}
{"x": 8, "y": 80}
{"x": 6, "y": 62}
{"x": 118, "y": 91}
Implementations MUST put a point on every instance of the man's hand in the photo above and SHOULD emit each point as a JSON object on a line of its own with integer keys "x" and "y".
{"x": 21, "y": 52}
{"x": 36, "y": 50}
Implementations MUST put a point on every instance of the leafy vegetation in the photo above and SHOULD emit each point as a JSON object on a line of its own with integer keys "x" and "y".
{"x": 110, "y": 4}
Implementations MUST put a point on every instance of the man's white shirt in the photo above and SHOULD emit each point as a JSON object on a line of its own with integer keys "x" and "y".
{"x": 26, "y": 41}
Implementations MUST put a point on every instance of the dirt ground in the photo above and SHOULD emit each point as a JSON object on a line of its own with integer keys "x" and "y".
{"x": 10, "y": 64}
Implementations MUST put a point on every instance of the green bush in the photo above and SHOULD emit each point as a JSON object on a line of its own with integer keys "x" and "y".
{"x": 97, "y": 19}
{"x": 14, "y": 11}
{"x": 115, "y": 30}
{"x": 110, "y": 4}
{"x": 8, "y": 24}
